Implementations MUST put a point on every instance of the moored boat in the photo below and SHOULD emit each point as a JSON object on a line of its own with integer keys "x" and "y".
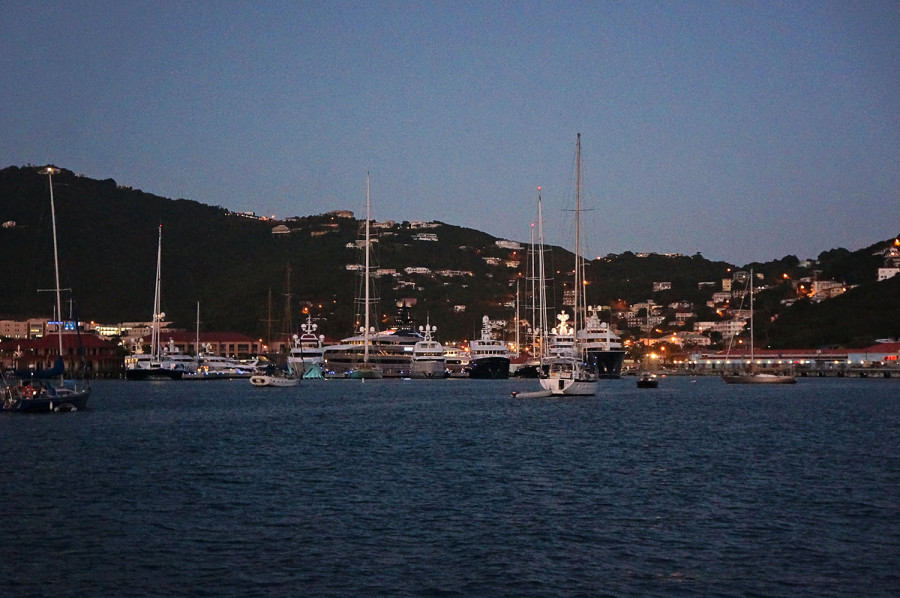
{"x": 759, "y": 378}
{"x": 488, "y": 357}
{"x": 601, "y": 347}
{"x": 647, "y": 380}
{"x": 428, "y": 356}
{"x": 567, "y": 373}
{"x": 274, "y": 377}
{"x": 751, "y": 375}
{"x": 155, "y": 365}
{"x": 36, "y": 391}
{"x": 307, "y": 350}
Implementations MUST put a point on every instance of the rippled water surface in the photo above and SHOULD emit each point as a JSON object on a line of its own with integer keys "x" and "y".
{"x": 452, "y": 487}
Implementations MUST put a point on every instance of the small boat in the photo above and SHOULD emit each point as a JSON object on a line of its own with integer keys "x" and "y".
{"x": 568, "y": 376}
{"x": 647, "y": 380}
{"x": 273, "y": 376}
{"x": 759, "y": 378}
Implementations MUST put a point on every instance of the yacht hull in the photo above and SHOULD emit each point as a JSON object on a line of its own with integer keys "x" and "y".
{"x": 759, "y": 379}
{"x": 154, "y": 374}
{"x": 607, "y": 364}
{"x": 489, "y": 368}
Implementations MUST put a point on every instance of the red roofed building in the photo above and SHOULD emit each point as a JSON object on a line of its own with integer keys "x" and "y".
{"x": 80, "y": 352}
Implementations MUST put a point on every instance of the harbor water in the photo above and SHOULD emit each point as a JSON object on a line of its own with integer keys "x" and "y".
{"x": 455, "y": 488}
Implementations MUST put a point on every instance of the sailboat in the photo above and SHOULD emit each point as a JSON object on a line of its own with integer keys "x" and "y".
{"x": 567, "y": 374}
{"x": 751, "y": 376}
{"x": 50, "y": 390}
{"x": 154, "y": 365}
{"x": 366, "y": 369}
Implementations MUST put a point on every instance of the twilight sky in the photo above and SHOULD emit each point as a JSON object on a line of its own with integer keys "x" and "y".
{"x": 744, "y": 131}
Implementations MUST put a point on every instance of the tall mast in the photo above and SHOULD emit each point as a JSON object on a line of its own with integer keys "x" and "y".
{"x": 197, "y": 341}
{"x": 532, "y": 267}
{"x": 154, "y": 333}
{"x": 59, "y": 324}
{"x": 579, "y": 285}
{"x": 751, "y": 318}
{"x": 517, "y": 318}
{"x": 366, "y": 274}
{"x": 542, "y": 283}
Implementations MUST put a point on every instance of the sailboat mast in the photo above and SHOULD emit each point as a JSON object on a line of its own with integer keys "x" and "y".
{"x": 517, "y": 317}
{"x": 366, "y": 274}
{"x": 197, "y": 341}
{"x": 542, "y": 283}
{"x": 751, "y": 319}
{"x": 154, "y": 333}
{"x": 578, "y": 274}
{"x": 59, "y": 324}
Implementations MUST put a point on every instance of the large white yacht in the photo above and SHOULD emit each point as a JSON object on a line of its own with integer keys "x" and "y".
{"x": 389, "y": 351}
{"x": 308, "y": 349}
{"x": 428, "y": 356}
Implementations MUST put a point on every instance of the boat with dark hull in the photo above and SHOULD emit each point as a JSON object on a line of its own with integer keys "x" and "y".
{"x": 601, "y": 347}
{"x": 44, "y": 391}
{"x": 388, "y": 352}
{"x": 751, "y": 375}
{"x": 155, "y": 365}
{"x": 145, "y": 367}
{"x": 647, "y": 380}
{"x": 37, "y": 394}
{"x": 488, "y": 357}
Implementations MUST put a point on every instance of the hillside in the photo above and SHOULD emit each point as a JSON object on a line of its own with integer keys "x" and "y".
{"x": 232, "y": 264}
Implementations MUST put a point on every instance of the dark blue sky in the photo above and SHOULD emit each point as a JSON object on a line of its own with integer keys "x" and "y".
{"x": 745, "y": 131}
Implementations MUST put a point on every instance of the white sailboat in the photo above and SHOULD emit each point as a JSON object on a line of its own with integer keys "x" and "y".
{"x": 751, "y": 376}
{"x": 567, "y": 374}
{"x": 154, "y": 365}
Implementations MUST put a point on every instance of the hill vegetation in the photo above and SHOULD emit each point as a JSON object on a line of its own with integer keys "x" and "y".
{"x": 247, "y": 278}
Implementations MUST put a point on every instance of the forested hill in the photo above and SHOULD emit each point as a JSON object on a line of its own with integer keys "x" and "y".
{"x": 237, "y": 267}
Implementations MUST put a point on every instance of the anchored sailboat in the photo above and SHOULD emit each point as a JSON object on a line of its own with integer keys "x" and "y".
{"x": 751, "y": 376}
{"x": 366, "y": 369}
{"x": 567, "y": 373}
{"x": 46, "y": 391}
{"x": 155, "y": 365}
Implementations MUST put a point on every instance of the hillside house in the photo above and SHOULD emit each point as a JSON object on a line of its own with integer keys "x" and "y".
{"x": 504, "y": 244}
